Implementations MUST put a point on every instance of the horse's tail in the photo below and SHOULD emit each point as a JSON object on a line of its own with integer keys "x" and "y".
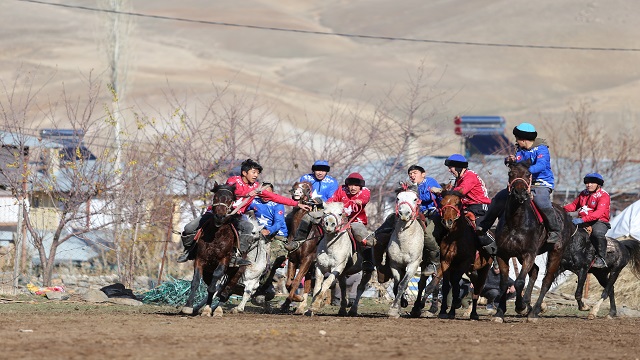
{"x": 634, "y": 250}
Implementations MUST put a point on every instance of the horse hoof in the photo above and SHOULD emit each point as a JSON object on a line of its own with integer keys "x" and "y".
{"x": 218, "y": 312}
{"x": 308, "y": 313}
{"x": 342, "y": 312}
{"x": 206, "y": 311}
{"x": 608, "y": 317}
{"x": 543, "y": 307}
{"x": 186, "y": 311}
{"x": 404, "y": 302}
{"x": 523, "y": 311}
{"x": 393, "y": 313}
{"x": 234, "y": 310}
{"x": 532, "y": 319}
{"x": 497, "y": 319}
{"x": 584, "y": 308}
{"x": 474, "y": 317}
{"x": 300, "y": 310}
{"x": 415, "y": 313}
{"x": 427, "y": 314}
{"x": 591, "y": 317}
{"x": 443, "y": 316}
{"x": 353, "y": 312}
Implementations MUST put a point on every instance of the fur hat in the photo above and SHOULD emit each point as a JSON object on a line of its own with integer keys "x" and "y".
{"x": 457, "y": 161}
{"x": 354, "y": 179}
{"x": 525, "y": 131}
{"x": 320, "y": 165}
{"x": 594, "y": 178}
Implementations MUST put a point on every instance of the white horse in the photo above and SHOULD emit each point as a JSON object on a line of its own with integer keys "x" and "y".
{"x": 404, "y": 252}
{"x": 335, "y": 259}
{"x": 258, "y": 255}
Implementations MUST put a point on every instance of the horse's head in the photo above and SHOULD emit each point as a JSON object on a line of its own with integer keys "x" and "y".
{"x": 257, "y": 227}
{"x": 451, "y": 209}
{"x": 300, "y": 191}
{"x": 407, "y": 204}
{"x": 333, "y": 217}
{"x": 223, "y": 198}
{"x": 520, "y": 180}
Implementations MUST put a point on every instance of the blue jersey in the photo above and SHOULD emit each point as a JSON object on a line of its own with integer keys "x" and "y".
{"x": 324, "y": 188}
{"x": 271, "y": 215}
{"x": 540, "y": 164}
{"x": 427, "y": 198}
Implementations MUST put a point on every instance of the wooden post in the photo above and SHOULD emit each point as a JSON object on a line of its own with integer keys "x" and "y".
{"x": 166, "y": 243}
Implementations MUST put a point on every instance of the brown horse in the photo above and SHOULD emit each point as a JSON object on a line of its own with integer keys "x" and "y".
{"x": 459, "y": 254}
{"x": 216, "y": 240}
{"x": 521, "y": 235}
{"x": 301, "y": 259}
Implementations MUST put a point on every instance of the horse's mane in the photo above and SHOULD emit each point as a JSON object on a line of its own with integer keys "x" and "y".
{"x": 406, "y": 187}
{"x": 452, "y": 192}
{"x": 228, "y": 187}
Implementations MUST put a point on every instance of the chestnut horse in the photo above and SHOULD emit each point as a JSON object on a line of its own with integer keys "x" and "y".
{"x": 302, "y": 259}
{"x": 459, "y": 254}
{"x": 521, "y": 235}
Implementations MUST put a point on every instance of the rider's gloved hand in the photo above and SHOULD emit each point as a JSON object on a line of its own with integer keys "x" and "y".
{"x": 577, "y": 221}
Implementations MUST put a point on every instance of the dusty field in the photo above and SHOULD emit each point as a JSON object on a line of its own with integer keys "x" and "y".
{"x": 80, "y": 331}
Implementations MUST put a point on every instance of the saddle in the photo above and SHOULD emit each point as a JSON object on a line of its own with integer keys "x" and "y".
{"x": 471, "y": 219}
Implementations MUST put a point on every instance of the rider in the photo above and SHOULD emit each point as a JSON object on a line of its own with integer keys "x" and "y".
{"x": 271, "y": 215}
{"x": 475, "y": 197}
{"x": 355, "y": 196}
{"x": 323, "y": 187}
{"x": 529, "y": 147}
{"x": 592, "y": 205}
{"x": 428, "y": 190}
{"x": 247, "y": 188}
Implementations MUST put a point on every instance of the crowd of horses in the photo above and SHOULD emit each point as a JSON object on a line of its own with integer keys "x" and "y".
{"x": 330, "y": 255}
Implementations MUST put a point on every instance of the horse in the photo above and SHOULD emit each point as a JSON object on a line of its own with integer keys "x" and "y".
{"x": 521, "y": 234}
{"x": 459, "y": 254}
{"x": 216, "y": 240}
{"x": 405, "y": 248}
{"x": 335, "y": 259}
{"x": 301, "y": 259}
{"x": 579, "y": 256}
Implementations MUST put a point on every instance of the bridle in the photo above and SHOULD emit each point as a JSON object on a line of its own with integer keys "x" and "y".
{"x": 414, "y": 208}
{"x": 527, "y": 183}
{"x": 218, "y": 197}
{"x": 456, "y": 208}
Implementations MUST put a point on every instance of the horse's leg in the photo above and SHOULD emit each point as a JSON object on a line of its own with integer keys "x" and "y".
{"x": 342, "y": 281}
{"x": 607, "y": 283}
{"x": 478, "y": 285}
{"x": 418, "y": 305}
{"x": 398, "y": 276}
{"x": 304, "y": 269}
{"x": 456, "y": 302}
{"x": 553, "y": 263}
{"x": 446, "y": 287}
{"x": 526, "y": 298}
{"x": 528, "y": 260}
{"x": 213, "y": 288}
{"x": 366, "y": 276}
{"x": 317, "y": 291}
{"x": 292, "y": 285}
{"x": 504, "y": 279}
{"x": 433, "y": 309}
{"x": 582, "y": 278}
{"x": 306, "y": 288}
{"x": 195, "y": 284}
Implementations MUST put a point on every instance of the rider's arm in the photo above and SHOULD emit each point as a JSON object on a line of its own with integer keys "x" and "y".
{"x": 542, "y": 160}
{"x": 572, "y": 206}
{"x": 601, "y": 211}
{"x": 269, "y": 196}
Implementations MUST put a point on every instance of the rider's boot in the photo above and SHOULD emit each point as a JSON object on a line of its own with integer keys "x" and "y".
{"x": 236, "y": 258}
{"x": 488, "y": 243}
{"x": 189, "y": 245}
{"x": 601, "y": 250}
{"x": 433, "y": 261}
{"x": 553, "y": 225}
{"x": 301, "y": 234}
{"x": 367, "y": 260}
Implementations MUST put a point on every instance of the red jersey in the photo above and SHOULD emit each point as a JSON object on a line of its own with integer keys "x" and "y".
{"x": 352, "y": 208}
{"x": 591, "y": 206}
{"x": 242, "y": 189}
{"x": 472, "y": 187}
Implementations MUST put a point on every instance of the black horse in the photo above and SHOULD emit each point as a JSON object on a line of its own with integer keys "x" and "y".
{"x": 579, "y": 256}
{"x": 520, "y": 234}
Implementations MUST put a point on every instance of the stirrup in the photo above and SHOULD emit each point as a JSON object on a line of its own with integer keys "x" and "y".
{"x": 294, "y": 245}
{"x": 599, "y": 262}
{"x": 237, "y": 261}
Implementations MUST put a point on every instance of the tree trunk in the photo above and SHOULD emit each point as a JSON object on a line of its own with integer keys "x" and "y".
{"x": 49, "y": 264}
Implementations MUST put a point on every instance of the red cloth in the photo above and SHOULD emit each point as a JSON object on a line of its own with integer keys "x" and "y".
{"x": 350, "y": 206}
{"x": 591, "y": 206}
{"x": 242, "y": 189}
{"x": 473, "y": 189}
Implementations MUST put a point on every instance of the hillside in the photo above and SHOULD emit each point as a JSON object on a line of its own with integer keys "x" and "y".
{"x": 300, "y": 74}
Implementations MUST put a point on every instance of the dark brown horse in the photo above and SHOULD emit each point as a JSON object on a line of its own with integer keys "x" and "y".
{"x": 216, "y": 240}
{"x": 301, "y": 259}
{"x": 459, "y": 254}
{"x": 579, "y": 256}
{"x": 521, "y": 235}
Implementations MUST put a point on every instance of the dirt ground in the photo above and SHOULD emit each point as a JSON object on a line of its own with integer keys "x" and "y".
{"x": 77, "y": 330}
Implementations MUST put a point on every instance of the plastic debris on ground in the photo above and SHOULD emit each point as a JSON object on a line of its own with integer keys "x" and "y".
{"x": 174, "y": 292}
{"x": 36, "y": 290}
